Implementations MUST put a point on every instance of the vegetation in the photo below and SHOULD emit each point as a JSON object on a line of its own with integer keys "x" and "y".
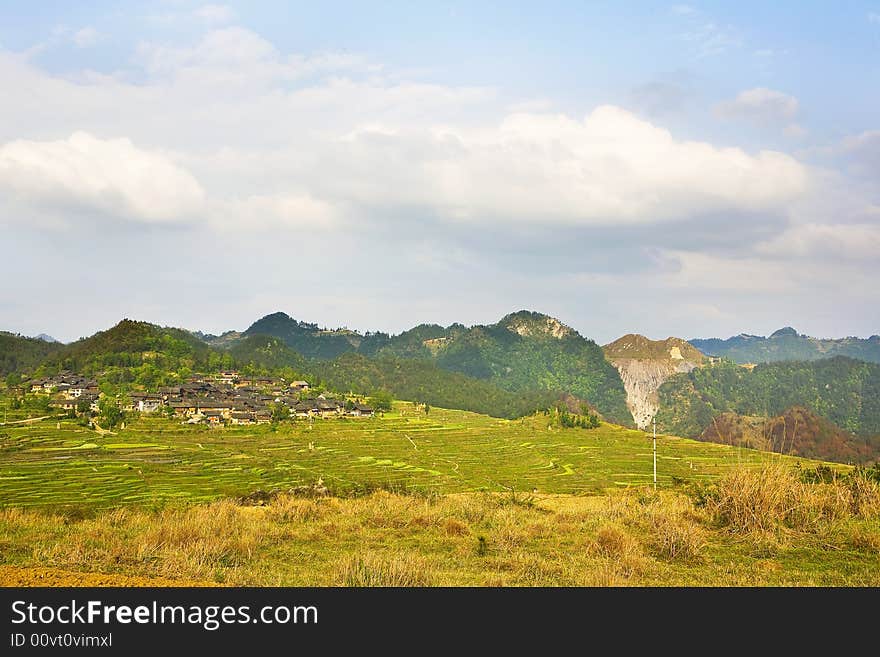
{"x": 156, "y": 461}
{"x": 18, "y": 353}
{"x": 522, "y": 353}
{"x": 306, "y": 339}
{"x": 842, "y": 390}
{"x": 425, "y": 381}
{"x": 755, "y": 527}
{"x": 787, "y": 344}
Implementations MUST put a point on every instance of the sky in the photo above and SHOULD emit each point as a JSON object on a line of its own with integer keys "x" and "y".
{"x": 690, "y": 170}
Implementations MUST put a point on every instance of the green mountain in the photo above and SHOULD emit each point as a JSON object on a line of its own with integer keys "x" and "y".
{"x": 21, "y": 354}
{"x": 524, "y": 351}
{"x": 424, "y": 381}
{"x": 265, "y": 352}
{"x": 798, "y": 431}
{"x": 842, "y": 390}
{"x": 307, "y": 339}
{"x": 788, "y": 344}
{"x": 133, "y": 344}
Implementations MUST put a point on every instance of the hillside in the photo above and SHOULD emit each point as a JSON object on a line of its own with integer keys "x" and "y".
{"x": 798, "y": 431}
{"x": 424, "y": 381}
{"x": 644, "y": 365}
{"x": 132, "y": 344}
{"x": 788, "y": 344}
{"x": 21, "y": 354}
{"x": 523, "y": 351}
{"x": 842, "y": 390}
{"x": 265, "y": 352}
{"x": 304, "y": 338}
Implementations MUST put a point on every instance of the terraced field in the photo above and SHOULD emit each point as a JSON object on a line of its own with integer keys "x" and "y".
{"x": 155, "y": 460}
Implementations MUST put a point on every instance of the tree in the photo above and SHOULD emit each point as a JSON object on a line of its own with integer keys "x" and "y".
{"x": 111, "y": 414}
{"x": 280, "y": 412}
{"x": 83, "y": 406}
{"x": 381, "y": 400}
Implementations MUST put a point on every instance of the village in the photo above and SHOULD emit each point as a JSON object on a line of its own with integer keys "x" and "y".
{"x": 226, "y": 398}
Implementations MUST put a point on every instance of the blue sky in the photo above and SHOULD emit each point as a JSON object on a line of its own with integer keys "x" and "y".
{"x": 697, "y": 169}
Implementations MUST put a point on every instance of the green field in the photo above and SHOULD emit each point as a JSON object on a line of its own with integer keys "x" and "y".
{"x": 156, "y": 460}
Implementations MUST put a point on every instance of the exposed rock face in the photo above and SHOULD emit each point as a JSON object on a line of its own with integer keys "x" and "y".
{"x": 641, "y": 379}
{"x": 532, "y": 327}
{"x": 644, "y": 365}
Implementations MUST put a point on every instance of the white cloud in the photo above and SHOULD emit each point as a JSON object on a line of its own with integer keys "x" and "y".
{"x": 215, "y": 14}
{"x": 87, "y": 36}
{"x": 759, "y": 104}
{"x": 609, "y": 168}
{"x": 111, "y": 176}
{"x": 846, "y": 241}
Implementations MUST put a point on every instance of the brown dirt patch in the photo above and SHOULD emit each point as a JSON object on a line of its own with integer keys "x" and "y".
{"x": 37, "y": 576}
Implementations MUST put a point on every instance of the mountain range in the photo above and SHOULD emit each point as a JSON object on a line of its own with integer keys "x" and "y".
{"x": 788, "y": 344}
{"x": 525, "y": 362}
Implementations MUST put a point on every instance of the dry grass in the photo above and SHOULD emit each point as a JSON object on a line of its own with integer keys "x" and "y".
{"x": 631, "y": 537}
{"x": 372, "y": 569}
{"x": 774, "y": 496}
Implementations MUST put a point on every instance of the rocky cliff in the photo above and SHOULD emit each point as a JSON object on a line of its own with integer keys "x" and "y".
{"x": 644, "y": 365}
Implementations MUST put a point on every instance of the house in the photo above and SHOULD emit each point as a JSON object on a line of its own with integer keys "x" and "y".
{"x": 214, "y": 418}
{"x": 37, "y": 386}
{"x": 222, "y": 408}
{"x": 361, "y": 410}
{"x": 304, "y": 408}
{"x": 146, "y": 402}
{"x": 228, "y": 378}
{"x": 328, "y": 407}
{"x": 239, "y": 417}
{"x": 64, "y": 404}
{"x": 299, "y": 386}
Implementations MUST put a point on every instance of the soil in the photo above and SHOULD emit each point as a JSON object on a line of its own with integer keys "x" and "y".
{"x": 38, "y": 576}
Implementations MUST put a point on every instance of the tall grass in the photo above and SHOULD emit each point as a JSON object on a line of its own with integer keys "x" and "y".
{"x": 776, "y": 496}
{"x": 625, "y": 537}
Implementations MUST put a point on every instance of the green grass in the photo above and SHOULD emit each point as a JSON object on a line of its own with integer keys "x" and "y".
{"x": 155, "y": 460}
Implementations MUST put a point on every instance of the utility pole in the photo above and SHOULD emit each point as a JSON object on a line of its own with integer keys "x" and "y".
{"x": 655, "y": 453}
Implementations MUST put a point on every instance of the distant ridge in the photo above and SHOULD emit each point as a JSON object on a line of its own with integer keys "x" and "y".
{"x": 787, "y": 344}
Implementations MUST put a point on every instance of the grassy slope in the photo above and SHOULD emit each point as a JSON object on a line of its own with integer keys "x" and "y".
{"x": 157, "y": 460}
{"x": 632, "y": 537}
{"x": 120, "y": 505}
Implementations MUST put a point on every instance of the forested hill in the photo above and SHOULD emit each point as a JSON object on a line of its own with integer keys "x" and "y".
{"x": 132, "y": 344}
{"x": 19, "y": 353}
{"x": 842, "y": 390}
{"x": 423, "y": 381}
{"x": 312, "y": 341}
{"x": 788, "y": 344}
{"x": 524, "y": 351}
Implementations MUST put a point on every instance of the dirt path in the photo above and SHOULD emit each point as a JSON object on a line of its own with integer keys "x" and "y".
{"x": 39, "y": 576}
{"x": 26, "y": 421}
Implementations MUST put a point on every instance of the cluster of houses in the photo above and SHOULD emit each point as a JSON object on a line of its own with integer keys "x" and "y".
{"x": 69, "y": 390}
{"x": 224, "y": 398}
